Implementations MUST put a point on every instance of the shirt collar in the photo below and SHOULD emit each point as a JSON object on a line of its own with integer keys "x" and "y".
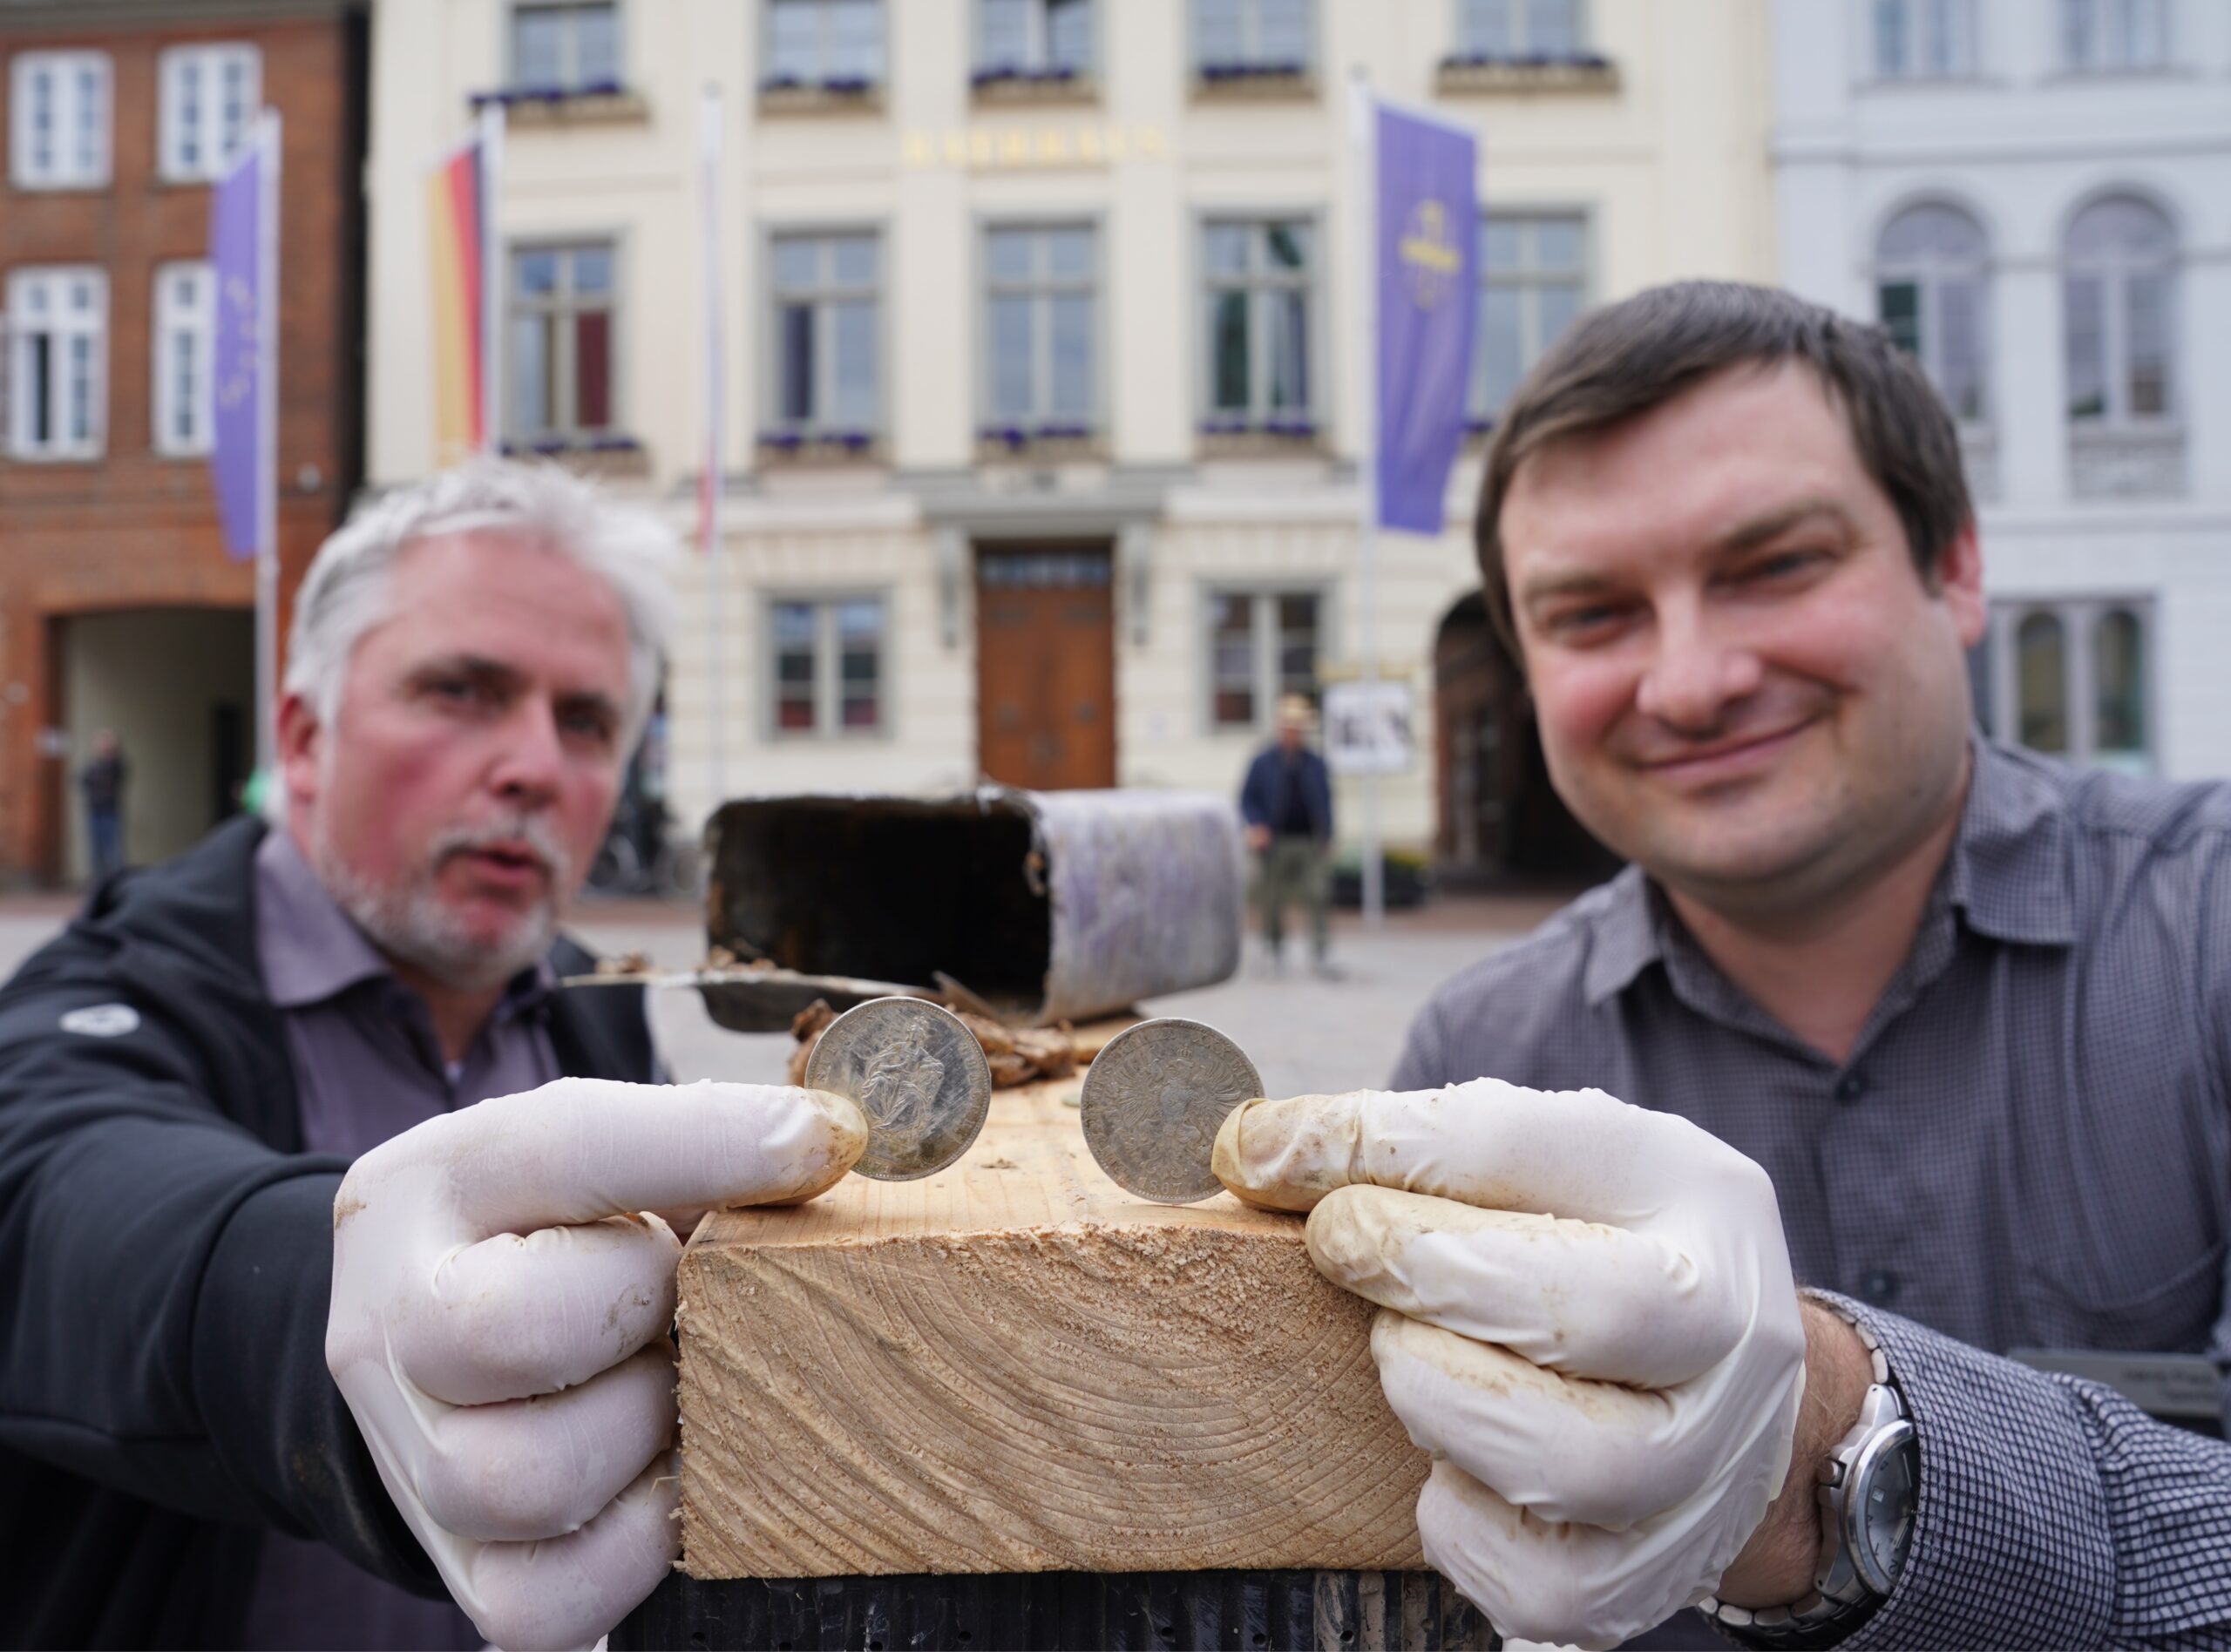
{"x": 2008, "y": 875}
{"x": 311, "y": 950}
{"x": 2010, "y": 870}
{"x": 1627, "y": 939}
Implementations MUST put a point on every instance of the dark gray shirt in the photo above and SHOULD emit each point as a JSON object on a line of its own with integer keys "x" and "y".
{"x": 2030, "y": 1146}
{"x": 368, "y": 1066}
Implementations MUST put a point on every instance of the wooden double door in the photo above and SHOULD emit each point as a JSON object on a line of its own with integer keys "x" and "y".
{"x": 1046, "y": 666}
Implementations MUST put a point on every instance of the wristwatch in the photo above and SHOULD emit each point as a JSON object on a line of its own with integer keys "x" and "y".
{"x": 1866, "y": 1491}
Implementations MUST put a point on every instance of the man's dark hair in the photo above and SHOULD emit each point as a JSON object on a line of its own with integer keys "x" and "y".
{"x": 1628, "y": 357}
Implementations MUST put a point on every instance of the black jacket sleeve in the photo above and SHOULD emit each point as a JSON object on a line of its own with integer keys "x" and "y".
{"x": 165, "y": 1274}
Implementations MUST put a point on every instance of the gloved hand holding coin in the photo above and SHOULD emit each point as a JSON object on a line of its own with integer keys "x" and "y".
{"x": 498, "y": 1325}
{"x": 1587, "y": 1316}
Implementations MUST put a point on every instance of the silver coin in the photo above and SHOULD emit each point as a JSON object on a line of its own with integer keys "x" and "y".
{"x": 919, "y": 1075}
{"x": 1153, "y": 1101}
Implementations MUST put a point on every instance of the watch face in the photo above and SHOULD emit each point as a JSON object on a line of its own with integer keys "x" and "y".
{"x": 1879, "y": 1517}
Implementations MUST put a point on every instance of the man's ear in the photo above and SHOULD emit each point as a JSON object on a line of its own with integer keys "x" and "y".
{"x": 1960, "y": 584}
{"x": 299, "y": 747}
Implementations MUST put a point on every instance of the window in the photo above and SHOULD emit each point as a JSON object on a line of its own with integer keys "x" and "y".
{"x": 1262, "y": 644}
{"x": 837, "y": 43}
{"x": 210, "y": 95}
{"x": 61, "y": 136}
{"x": 1508, "y": 29}
{"x": 1924, "y": 39}
{"x": 2074, "y": 681}
{"x": 1929, "y": 292}
{"x": 2104, "y": 35}
{"x": 1033, "y": 38}
{"x": 561, "y": 345}
{"x": 572, "y": 46}
{"x": 1533, "y": 281}
{"x": 184, "y": 313}
{"x": 2119, "y": 301}
{"x": 1039, "y": 330}
{"x": 1259, "y": 35}
{"x": 1258, "y": 326}
{"x": 828, "y": 666}
{"x": 825, "y": 344}
{"x": 58, "y": 369}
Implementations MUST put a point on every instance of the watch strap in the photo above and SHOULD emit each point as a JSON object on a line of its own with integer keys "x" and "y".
{"x": 1821, "y": 1618}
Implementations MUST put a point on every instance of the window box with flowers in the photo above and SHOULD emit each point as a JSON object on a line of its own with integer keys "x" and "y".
{"x": 1233, "y": 77}
{"x": 1045, "y": 442}
{"x": 834, "y": 94}
{"x": 1481, "y": 71}
{"x": 829, "y": 446}
{"x": 598, "y": 102}
{"x": 1016, "y": 83}
{"x": 1241, "y": 438}
{"x": 607, "y": 454}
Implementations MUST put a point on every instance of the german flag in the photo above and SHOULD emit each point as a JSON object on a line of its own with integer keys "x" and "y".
{"x": 457, "y": 207}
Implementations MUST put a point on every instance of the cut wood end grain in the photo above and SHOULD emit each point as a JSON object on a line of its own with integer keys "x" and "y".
{"x": 1024, "y": 1368}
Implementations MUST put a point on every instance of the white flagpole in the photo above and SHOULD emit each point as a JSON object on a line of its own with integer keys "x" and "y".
{"x": 267, "y": 440}
{"x": 1365, "y": 151}
{"x": 491, "y": 278}
{"x": 710, "y": 144}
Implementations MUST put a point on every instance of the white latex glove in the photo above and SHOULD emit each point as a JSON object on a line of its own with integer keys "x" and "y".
{"x": 499, "y": 1318}
{"x": 1587, "y": 1318}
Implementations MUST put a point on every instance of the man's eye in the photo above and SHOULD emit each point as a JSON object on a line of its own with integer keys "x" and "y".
{"x": 1578, "y": 623}
{"x": 1781, "y": 564}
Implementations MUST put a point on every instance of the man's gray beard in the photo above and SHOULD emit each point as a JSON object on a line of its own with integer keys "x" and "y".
{"x": 411, "y": 924}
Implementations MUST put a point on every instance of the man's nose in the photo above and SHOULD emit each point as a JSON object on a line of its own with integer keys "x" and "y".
{"x": 529, "y": 767}
{"x": 1695, "y": 673}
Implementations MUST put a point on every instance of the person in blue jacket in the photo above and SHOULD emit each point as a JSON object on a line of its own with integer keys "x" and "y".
{"x": 1287, "y": 804}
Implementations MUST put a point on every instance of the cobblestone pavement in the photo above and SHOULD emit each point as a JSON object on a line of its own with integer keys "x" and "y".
{"x": 1303, "y": 1034}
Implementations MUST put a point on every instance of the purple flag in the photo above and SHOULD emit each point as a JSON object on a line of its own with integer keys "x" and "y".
{"x": 1427, "y": 236}
{"x": 236, "y": 239}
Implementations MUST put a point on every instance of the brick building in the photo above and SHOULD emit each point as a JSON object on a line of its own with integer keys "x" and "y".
{"x": 118, "y": 607}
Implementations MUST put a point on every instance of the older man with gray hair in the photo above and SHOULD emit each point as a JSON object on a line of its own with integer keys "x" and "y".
{"x": 329, "y": 1282}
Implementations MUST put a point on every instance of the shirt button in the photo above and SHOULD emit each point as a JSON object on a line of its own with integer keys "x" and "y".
{"x": 1850, "y": 1087}
{"x": 1880, "y": 1286}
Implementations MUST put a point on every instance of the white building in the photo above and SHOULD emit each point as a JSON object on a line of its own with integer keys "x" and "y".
{"x": 1043, "y": 398}
{"x": 2037, "y": 198}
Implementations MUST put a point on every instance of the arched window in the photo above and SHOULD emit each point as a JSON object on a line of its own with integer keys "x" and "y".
{"x": 2119, "y": 302}
{"x": 2119, "y": 690}
{"x": 1930, "y": 275}
{"x": 2041, "y": 682}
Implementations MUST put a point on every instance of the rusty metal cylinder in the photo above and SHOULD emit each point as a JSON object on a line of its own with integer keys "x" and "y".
{"x": 1046, "y": 905}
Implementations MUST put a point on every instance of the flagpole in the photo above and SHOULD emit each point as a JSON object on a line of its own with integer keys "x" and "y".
{"x": 1360, "y": 115}
{"x": 491, "y": 278}
{"x": 709, "y": 145}
{"x": 267, "y": 442}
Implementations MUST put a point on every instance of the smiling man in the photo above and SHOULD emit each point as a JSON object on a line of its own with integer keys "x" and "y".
{"x": 331, "y": 1315}
{"x": 1970, "y": 1011}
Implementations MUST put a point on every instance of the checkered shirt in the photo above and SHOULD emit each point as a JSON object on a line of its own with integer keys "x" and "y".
{"x": 2030, "y": 1147}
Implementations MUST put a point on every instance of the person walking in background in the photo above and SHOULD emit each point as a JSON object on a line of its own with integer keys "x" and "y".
{"x": 1287, "y": 805}
{"x": 102, "y": 782}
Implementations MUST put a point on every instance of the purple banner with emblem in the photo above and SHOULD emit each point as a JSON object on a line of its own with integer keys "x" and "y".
{"x": 1426, "y": 238}
{"x": 236, "y": 456}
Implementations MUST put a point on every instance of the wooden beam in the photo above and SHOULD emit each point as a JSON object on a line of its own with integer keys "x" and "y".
{"x": 1015, "y": 1366}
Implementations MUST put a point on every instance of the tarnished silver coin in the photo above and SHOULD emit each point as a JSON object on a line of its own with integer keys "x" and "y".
{"x": 1153, "y": 1101}
{"x": 919, "y": 1075}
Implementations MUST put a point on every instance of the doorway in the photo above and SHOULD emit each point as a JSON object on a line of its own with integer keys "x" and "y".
{"x": 1045, "y": 667}
{"x": 178, "y": 687}
{"x": 1501, "y": 819}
